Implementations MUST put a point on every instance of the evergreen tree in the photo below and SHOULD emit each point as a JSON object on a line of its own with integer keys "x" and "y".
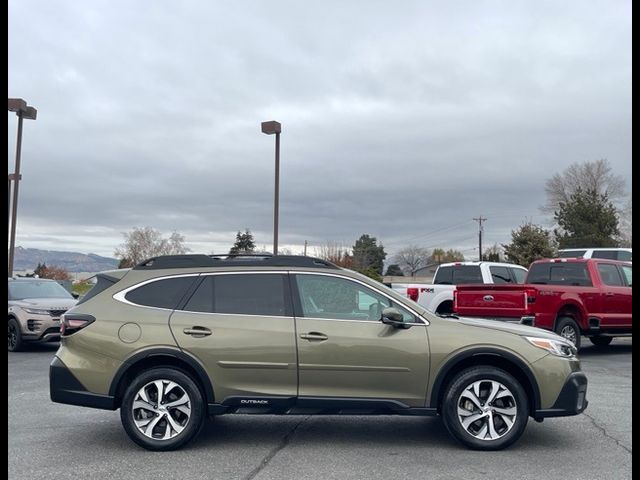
{"x": 528, "y": 243}
{"x": 394, "y": 270}
{"x": 244, "y": 243}
{"x": 368, "y": 256}
{"x": 587, "y": 220}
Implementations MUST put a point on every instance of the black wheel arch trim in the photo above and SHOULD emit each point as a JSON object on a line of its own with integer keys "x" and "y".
{"x": 438, "y": 385}
{"x": 130, "y": 362}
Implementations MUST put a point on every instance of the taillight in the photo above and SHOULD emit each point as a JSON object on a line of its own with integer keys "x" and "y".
{"x": 70, "y": 323}
{"x": 413, "y": 293}
{"x": 455, "y": 301}
{"x": 529, "y": 297}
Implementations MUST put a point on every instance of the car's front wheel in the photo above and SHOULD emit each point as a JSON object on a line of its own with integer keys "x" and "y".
{"x": 14, "y": 336}
{"x": 485, "y": 408}
{"x": 162, "y": 409}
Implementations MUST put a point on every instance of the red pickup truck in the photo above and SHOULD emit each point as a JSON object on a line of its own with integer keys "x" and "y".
{"x": 570, "y": 296}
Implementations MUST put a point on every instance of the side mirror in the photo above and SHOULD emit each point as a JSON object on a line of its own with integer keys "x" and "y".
{"x": 392, "y": 316}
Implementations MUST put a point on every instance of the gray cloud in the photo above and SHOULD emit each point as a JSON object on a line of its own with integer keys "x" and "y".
{"x": 404, "y": 121}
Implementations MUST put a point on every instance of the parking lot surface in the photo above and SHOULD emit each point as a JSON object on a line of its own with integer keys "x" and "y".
{"x": 48, "y": 440}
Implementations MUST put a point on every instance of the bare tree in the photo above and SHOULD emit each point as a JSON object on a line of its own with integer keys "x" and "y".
{"x": 412, "y": 258}
{"x": 625, "y": 224}
{"x": 147, "y": 242}
{"x": 589, "y": 176}
{"x": 335, "y": 252}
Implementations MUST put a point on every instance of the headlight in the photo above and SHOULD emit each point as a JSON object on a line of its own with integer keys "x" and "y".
{"x": 36, "y": 311}
{"x": 561, "y": 348}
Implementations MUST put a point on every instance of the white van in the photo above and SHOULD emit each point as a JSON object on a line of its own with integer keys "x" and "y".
{"x": 609, "y": 253}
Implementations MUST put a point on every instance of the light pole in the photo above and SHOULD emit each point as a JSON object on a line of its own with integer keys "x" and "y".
{"x": 23, "y": 111}
{"x": 270, "y": 128}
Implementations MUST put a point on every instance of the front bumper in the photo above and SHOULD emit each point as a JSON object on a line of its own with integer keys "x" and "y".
{"x": 65, "y": 388}
{"x": 572, "y": 399}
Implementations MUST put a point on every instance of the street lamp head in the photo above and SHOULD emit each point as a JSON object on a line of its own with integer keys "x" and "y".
{"x": 271, "y": 127}
{"x": 17, "y": 104}
{"x": 21, "y": 108}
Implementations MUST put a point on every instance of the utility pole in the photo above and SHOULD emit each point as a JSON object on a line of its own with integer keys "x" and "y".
{"x": 480, "y": 219}
{"x": 305, "y": 248}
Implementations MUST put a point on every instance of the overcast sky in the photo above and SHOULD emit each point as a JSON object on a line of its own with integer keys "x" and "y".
{"x": 403, "y": 120}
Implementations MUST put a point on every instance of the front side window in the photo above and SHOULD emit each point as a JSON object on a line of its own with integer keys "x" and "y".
{"x": 572, "y": 253}
{"x": 242, "y": 294}
{"x": 165, "y": 293}
{"x": 610, "y": 275}
{"x": 608, "y": 254}
{"x": 338, "y": 298}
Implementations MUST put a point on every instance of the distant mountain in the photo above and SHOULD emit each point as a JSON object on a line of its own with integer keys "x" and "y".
{"x": 28, "y": 259}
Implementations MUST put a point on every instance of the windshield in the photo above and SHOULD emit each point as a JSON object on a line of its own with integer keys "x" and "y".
{"x": 19, "y": 290}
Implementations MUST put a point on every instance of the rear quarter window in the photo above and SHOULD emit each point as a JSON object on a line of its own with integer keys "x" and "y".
{"x": 165, "y": 293}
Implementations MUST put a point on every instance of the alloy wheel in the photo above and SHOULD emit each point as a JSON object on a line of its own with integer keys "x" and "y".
{"x": 487, "y": 410}
{"x": 161, "y": 409}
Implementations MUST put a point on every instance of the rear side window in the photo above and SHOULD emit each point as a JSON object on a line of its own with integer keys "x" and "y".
{"x": 500, "y": 275}
{"x": 610, "y": 275}
{"x": 624, "y": 255}
{"x": 519, "y": 274}
{"x": 164, "y": 293}
{"x": 244, "y": 294}
{"x": 627, "y": 271}
{"x": 574, "y": 274}
{"x": 458, "y": 274}
{"x": 572, "y": 254}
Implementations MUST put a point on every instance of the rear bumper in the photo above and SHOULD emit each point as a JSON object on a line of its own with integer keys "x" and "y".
{"x": 65, "y": 388}
{"x": 572, "y": 399}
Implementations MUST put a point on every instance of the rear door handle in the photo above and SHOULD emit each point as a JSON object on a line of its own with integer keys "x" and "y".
{"x": 314, "y": 336}
{"x": 197, "y": 331}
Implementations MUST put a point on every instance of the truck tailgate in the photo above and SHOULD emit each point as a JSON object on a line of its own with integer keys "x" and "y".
{"x": 490, "y": 301}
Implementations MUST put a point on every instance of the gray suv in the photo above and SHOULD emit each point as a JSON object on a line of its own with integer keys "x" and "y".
{"x": 35, "y": 307}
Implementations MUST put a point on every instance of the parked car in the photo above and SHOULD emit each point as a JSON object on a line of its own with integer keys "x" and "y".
{"x": 570, "y": 296}
{"x": 438, "y": 297}
{"x": 35, "y": 307}
{"x": 177, "y": 338}
{"x": 623, "y": 254}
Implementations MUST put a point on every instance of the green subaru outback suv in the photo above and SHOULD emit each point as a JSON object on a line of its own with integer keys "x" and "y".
{"x": 179, "y": 338}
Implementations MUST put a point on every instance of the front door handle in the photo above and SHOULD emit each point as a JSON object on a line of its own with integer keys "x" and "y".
{"x": 197, "y": 331}
{"x": 314, "y": 336}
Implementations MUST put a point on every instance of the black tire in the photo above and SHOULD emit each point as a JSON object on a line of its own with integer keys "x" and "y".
{"x": 445, "y": 308}
{"x": 471, "y": 435}
{"x": 600, "y": 341}
{"x": 566, "y": 327}
{"x": 192, "y": 425}
{"x": 14, "y": 334}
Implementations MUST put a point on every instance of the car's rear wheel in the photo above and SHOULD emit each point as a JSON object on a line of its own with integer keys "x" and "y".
{"x": 567, "y": 327}
{"x": 14, "y": 336}
{"x": 600, "y": 341}
{"x": 485, "y": 408}
{"x": 162, "y": 409}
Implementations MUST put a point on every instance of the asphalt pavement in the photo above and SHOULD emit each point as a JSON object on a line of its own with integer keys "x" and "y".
{"x": 53, "y": 441}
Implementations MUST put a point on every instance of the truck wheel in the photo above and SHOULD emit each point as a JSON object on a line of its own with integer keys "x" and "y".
{"x": 445, "y": 308}
{"x": 485, "y": 408}
{"x": 566, "y": 327}
{"x": 14, "y": 336}
{"x": 600, "y": 341}
{"x": 162, "y": 409}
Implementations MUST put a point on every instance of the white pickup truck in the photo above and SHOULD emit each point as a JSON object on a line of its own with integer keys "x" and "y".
{"x": 438, "y": 297}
